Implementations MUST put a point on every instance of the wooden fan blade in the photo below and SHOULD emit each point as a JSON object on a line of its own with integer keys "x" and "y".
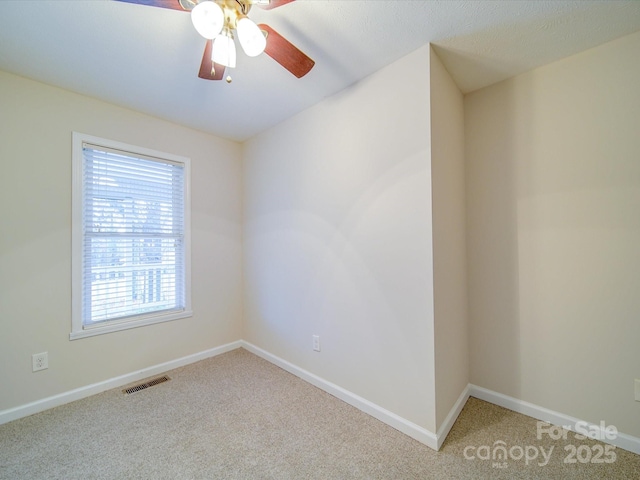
{"x": 285, "y": 53}
{"x": 208, "y": 69}
{"x": 171, "y": 4}
{"x": 274, "y": 4}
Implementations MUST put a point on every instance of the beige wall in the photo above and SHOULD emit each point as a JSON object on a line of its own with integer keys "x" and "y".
{"x": 553, "y": 198}
{"x": 338, "y": 240}
{"x": 36, "y": 122}
{"x": 449, "y": 240}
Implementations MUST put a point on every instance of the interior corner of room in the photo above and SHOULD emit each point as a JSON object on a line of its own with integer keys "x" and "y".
{"x": 478, "y": 244}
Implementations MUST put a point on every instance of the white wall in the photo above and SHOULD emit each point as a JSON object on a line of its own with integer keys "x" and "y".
{"x": 449, "y": 240}
{"x": 553, "y": 198}
{"x": 36, "y": 122}
{"x": 338, "y": 240}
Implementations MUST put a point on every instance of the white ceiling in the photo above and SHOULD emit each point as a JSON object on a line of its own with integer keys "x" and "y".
{"x": 147, "y": 58}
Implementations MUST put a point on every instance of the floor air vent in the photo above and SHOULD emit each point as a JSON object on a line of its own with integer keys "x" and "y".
{"x": 142, "y": 386}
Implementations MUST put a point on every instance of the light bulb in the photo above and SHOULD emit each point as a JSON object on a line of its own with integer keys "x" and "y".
{"x": 208, "y": 19}
{"x": 250, "y": 37}
{"x": 224, "y": 49}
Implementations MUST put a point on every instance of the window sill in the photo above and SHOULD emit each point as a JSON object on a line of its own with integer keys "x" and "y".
{"x": 126, "y": 325}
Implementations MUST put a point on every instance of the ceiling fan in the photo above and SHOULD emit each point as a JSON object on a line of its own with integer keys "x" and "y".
{"x": 217, "y": 20}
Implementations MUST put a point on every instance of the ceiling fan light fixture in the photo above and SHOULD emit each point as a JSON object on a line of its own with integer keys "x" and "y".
{"x": 208, "y": 19}
{"x": 250, "y": 36}
{"x": 224, "y": 49}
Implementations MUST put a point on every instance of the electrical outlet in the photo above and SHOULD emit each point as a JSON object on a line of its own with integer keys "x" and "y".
{"x": 637, "y": 389}
{"x": 40, "y": 361}
{"x": 316, "y": 343}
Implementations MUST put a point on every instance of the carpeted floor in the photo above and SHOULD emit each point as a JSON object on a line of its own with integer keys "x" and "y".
{"x": 237, "y": 416}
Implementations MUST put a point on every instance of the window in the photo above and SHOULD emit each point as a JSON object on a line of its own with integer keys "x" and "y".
{"x": 131, "y": 258}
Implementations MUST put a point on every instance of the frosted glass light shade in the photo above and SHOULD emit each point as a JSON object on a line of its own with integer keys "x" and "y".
{"x": 250, "y": 37}
{"x": 224, "y": 50}
{"x": 208, "y": 19}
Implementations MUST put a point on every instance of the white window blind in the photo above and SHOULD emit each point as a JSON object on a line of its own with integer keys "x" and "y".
{"x": 133, "y": 249}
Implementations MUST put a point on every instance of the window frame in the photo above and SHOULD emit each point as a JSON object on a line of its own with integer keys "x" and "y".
{"x": 78, "y": 329}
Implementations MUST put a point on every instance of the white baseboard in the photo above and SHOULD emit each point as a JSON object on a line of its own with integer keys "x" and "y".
{"x": 83, "y": 392}
{"x": 405, "y": 426}
{"x": 414, "y": 431}
{"x": 434, "y": 441}
{"x": 622, "y": 440}
{"x": 446, "y": 426}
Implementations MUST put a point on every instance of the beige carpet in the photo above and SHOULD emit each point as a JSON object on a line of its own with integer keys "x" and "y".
{"x": 237, "y": 416}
